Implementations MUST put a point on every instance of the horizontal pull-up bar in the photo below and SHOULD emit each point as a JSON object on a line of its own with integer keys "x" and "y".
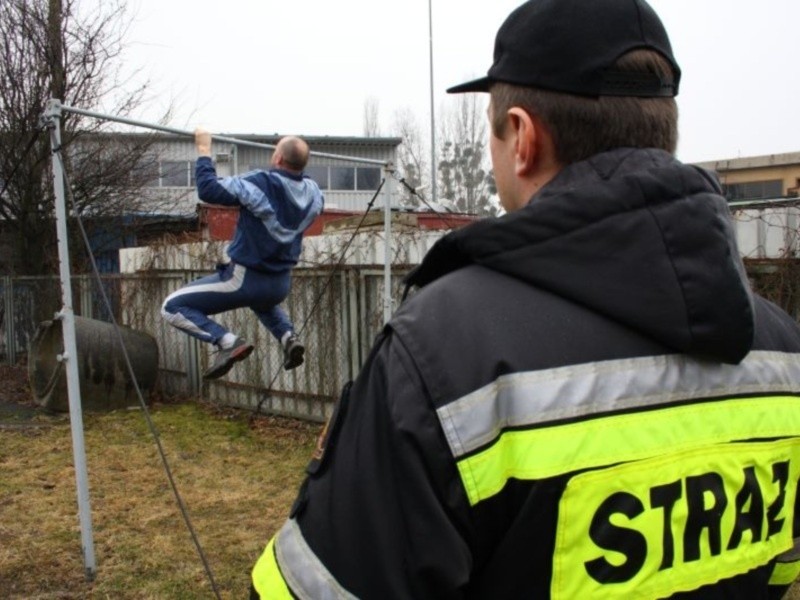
{"x": 55, "y": 106}
{"x": 52, "y": 120}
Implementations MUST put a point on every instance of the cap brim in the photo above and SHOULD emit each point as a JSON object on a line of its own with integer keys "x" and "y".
{"x": 476, "y": 85}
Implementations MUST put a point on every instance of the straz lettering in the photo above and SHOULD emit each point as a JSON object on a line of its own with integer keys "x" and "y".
{"x": 672, "y": 523}
{"x": 700, "y": 513}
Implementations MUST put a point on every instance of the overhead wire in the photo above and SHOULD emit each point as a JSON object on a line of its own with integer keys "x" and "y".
{"x": 57, "y": 152}
{"x": 414, "y": 192}
{"x": 402, "y": 180}
{"x": 336, "y": 267}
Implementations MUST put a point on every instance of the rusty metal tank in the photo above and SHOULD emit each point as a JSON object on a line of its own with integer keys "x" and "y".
{"x": 104, "y": 378}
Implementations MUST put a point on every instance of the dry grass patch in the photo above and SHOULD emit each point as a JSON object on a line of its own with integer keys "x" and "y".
{"x": 237, "y": 481}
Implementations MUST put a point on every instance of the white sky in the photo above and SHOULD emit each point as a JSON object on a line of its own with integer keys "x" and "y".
{"x": 307, "y": 66}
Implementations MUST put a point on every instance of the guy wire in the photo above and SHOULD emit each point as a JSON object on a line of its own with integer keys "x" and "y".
{"x": 129, "y": 366}
{"x": 324, "y": 289}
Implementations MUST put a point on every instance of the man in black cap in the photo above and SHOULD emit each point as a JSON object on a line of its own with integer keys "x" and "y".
{"x": 584, "y": 398}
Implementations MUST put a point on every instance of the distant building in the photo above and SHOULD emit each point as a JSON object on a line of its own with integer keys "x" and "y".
{"x": 165, "y": 203}
{"x": 346, "y": 184}
{"x": 763, "y": 196}
{"x": 758, "y": 177}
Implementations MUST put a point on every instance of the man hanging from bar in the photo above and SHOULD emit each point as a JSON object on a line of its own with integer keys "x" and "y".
{"x": 277, "y": 206}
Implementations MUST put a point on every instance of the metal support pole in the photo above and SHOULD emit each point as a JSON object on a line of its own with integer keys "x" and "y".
{"x": 215, "y": 137}
{"x": 52, "y": 118}
{"x": 433, "y": 118}
{"x": 85, "y": 298}
{"x": 388, "y": 194}
{"x": 350, "y": 296}
{"x": 193, "y": 354}
{"x": 8, "y": 308}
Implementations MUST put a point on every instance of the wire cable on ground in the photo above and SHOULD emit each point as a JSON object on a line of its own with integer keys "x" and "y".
{"x": 336, "y": 267}
{"x": 139, "y": 395}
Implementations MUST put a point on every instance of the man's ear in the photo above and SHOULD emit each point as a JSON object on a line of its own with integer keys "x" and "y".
{"x": 526, "y": 150}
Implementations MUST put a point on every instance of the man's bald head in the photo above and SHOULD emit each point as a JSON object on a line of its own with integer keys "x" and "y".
{"x": 291, "y": 153}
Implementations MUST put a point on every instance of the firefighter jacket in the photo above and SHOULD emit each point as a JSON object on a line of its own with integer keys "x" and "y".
{"x": 584, "y": 399}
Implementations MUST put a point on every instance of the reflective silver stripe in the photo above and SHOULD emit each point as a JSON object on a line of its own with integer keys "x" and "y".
{"x": 302, "y": 570}
{"x": 178, "y": 320}
{"x": 538, "y": 397}
{"x": 791, "y": 555}
{"x": 233, "y": 284}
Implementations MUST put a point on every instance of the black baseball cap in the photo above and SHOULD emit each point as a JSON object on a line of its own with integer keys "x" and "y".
{"x": 571, "y": 46}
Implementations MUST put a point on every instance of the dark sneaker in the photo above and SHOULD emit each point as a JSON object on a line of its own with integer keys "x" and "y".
{"x": 227, "y": 357}
{"x": 293, "y": 352}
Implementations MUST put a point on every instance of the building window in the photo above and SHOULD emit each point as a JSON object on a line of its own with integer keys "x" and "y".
{"x": 167, "y": 173}
{"x": 345, "y": 178}
{"x": 339, "y": 178}
{"x": 753, "y": 190}
{"x": 176, "y": 173}
{"x": 368, "y": 178}
{"x": 318, "y": 174}
{"x": 145, "y": 172}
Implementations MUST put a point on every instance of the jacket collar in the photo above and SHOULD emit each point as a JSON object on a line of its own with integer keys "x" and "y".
{"x": 633, "y": 234}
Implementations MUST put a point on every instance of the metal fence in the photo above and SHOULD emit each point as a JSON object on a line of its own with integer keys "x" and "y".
{"x": 338, "y": 313}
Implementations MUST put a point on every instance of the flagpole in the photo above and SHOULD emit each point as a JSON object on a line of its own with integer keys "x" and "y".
{"x": 433, "y": 118}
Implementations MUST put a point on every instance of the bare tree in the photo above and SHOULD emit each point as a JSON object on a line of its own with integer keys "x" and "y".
{"x": 372, "y": 126}
{"x": 412, "y": 165}
{"x": 50, "y": 49}
{"x": 465, "y": 176}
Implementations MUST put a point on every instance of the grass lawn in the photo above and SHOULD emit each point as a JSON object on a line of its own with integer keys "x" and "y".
{"x": 237, "y": 478}
{"x": 237, "y": 481}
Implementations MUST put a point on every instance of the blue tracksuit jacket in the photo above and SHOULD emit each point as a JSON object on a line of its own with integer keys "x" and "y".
{"x": 279, "y": 207}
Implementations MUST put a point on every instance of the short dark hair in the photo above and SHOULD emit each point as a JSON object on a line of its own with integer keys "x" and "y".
{"x": 583, "y": 126}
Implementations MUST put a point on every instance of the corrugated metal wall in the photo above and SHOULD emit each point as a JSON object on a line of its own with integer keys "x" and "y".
{"x": 248, "y": 158}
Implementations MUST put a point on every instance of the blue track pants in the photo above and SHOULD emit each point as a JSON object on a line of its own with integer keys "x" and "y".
{"x": 232, "y": 286}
